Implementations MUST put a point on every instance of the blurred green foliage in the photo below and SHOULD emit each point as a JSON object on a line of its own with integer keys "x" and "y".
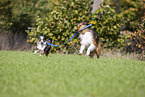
{"x": 17, "y": 15}
{"x": 5, "y": 14}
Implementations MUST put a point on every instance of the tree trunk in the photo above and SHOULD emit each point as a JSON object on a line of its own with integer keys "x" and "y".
{"x": 96, "y": 5}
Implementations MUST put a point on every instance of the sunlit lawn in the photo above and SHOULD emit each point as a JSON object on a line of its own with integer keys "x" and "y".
{"x": 23, "y": 74}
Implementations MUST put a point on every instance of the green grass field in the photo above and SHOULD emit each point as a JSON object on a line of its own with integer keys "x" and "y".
{"x": 23, "y": 74}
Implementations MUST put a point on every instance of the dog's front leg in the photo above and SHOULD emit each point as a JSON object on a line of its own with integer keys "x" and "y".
{"x": 82, "y": 49}
{"x": 42, "y": 52}
{"x": 90, "y": 48}
{"x": 36, "y": 51}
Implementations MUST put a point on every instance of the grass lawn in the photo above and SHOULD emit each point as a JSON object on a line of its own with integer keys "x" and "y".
{"x": 23, "y": 74}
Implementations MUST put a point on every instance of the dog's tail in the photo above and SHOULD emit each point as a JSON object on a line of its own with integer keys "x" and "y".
{"x": 98, "y": 44}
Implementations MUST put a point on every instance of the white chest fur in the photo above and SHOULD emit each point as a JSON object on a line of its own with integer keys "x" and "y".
{"x": 41, "y": 46}
{"x": 86, "y": 39}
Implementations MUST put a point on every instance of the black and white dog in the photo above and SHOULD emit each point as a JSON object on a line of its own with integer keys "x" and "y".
{"x": 42, "y": 46}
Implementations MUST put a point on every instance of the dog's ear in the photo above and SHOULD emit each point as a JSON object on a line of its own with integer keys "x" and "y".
{"x": 79, "y": 25}
{"x": 44, "y": 37}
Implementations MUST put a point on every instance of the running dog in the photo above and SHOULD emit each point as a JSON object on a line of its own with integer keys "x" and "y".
{"x": 89, "y": 38}
{"x": 41, "y": 44}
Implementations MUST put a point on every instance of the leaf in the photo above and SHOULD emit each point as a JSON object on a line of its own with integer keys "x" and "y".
{"x": 128, "y": 43}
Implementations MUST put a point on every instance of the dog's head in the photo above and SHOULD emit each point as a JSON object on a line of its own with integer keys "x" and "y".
{"x": 50, "y": 40}
{"x": 82, "y": 25}
{"x": 41, "y": 39}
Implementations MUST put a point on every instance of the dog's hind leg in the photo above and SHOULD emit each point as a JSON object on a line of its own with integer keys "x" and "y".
{"x": 46, "y": 53}
{"x": 98, "y": 50}
{"x": 92, "y": 53}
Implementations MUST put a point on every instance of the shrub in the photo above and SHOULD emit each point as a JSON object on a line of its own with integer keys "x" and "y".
{"x": 137, "y": 40}
{"x": 107, "y": 24}
{"x": 63, "y": 20}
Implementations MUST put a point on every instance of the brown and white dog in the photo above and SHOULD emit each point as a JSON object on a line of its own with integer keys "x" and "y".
{"x": 90, "y": 39}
